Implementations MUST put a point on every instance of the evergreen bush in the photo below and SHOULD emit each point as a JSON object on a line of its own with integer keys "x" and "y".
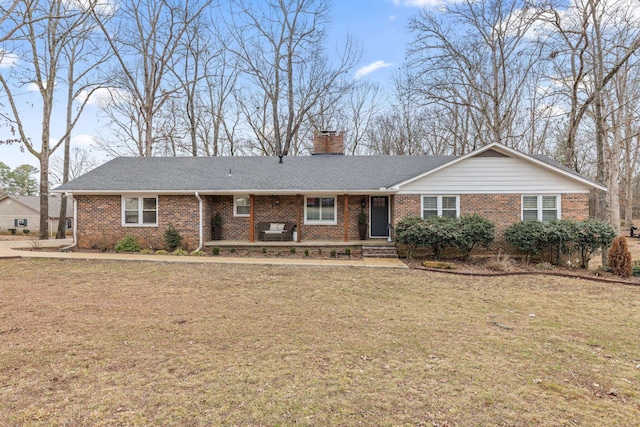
{"x": 411, "y": 232}
{"x": 592, "y": 235}
{"x": 172, "y": 238}
{"x": 558, "y": 238}
{"x": 129, "y": 243}
{"x": 620, "y": 257}
{"x": 526, "y": 236}
{"x": 474, "y": 230}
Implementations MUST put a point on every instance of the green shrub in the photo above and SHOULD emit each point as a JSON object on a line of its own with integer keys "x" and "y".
{"x": 26, "y": 231}
{"x": 592, "y": 236}
{"x": 216, "y": 250}
{"x": 147, "y": 251}
{"x": 264, "y": 250}
{"x": 161, "y": 252}
{"x": 197, "y": 253}
{"x": 172, "y": 238}
{"x": 558, "y": 237}
{"x": 306, "y": 252}
{"x": 635, "y": 272}
{"x": 180, "y": 252}
{"x": 441, "y": 233}
{"x": 474, "y": 230}
{"x": 347, "y": 251}
{"x": 129, "y": 243}
{"x": 411, "y": 232}
{"x": 292, "y": 250}
{"x": 333, "y": 253}
{"x": 12, "y": 231}
{"x": 526, "y": 236}
{"x": 620, "y": 257}
{"x": 232, "y": 250}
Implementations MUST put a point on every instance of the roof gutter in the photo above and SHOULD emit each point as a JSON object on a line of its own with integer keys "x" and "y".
{"x": 199, "y": 221}
{"x": 75, "y": 223}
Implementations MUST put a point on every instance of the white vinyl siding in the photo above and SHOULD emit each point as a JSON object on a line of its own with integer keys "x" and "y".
{"x": 541, "y": 207}
{"x": 447, "y": 206}
{"x": 493, "y": 175}
{"x": 139, "y": 211}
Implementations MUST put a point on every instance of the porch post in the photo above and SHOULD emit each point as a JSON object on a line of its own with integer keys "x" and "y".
{"x": 299, "y": 205}
{"x": 252, "y": 200}
{"x": 346, "y": 217}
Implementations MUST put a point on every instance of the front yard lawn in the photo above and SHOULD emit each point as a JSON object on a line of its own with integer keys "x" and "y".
{"x": 118, "y": 343}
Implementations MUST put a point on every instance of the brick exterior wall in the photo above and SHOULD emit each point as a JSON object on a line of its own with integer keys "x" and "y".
{"x": 502, "y": 209}
{"x": 100, "y": 217}
{"x": 100, "y": 222}
{"x": 283, "y": 209}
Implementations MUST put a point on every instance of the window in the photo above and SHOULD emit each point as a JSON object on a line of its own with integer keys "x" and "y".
{"x": 446, "y": 206}
{"x": 541, "y": 208}
{"x": 19, "y": 222}
{"x": 241, "y": 205}
{"x": 140, "y": 211}
{"x": 320, "y": 210}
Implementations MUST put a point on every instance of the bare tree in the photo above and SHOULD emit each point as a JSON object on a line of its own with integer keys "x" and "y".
{"x": 80, "y": 161}
{"x": 146, "y": 37}
{"x": 479, "y": 56}
{"x": 280, "y": 46}
{"x": 51, "y": 28}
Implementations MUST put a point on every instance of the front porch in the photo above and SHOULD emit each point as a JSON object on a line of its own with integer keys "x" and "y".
{"x": 374, "y": 248}
{"x": 311, "y": 220}
{"x": 305, "y": 244}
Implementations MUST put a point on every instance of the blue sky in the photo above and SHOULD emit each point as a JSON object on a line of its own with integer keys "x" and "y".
{"x": 379, "y": 25}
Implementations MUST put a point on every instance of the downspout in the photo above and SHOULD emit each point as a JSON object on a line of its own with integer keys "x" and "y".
{"x": 200, "y": 221}
{"x": 75, "y": 223}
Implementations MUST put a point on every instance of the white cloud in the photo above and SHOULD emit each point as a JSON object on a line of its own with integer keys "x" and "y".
{"x": 105, "y": 96}
{"x": 368, "y": 69}
{"x": 102, "y": 7}
{"x": 423, "y": 3}
{"x": 392, "y": 17}
{"x": 8, "y": 59}
{"x": 83, "y": 140}
{"x": 549, "y": 110}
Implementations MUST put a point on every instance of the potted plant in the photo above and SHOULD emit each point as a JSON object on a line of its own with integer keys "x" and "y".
{"x": 216, "y": 225}
{"x": 362, "y": 224}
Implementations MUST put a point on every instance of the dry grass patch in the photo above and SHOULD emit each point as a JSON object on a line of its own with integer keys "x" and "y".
{"x": 116, "y": 343}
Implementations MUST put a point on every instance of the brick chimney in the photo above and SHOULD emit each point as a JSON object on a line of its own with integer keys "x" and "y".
{"x": 328, "y": 142}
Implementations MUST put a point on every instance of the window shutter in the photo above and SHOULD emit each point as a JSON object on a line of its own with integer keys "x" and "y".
{"x": 15, "y": 222}
{"x": 25, "y": 222}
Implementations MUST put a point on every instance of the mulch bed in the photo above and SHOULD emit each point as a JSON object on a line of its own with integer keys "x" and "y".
{"x": 519, "y": 268}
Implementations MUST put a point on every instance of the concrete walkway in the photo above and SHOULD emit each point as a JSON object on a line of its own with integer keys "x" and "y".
{"x": 11, "y": 249}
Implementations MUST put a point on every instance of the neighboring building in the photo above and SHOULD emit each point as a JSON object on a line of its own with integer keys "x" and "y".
{"x": 21, "y": 213}
{"x": 322, "y": 194}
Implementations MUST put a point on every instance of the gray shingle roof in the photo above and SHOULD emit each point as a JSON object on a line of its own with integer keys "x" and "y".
{"x": 33, "y": 202}
{"x": 226, "y": 174}
{"x": 324, "y": 173}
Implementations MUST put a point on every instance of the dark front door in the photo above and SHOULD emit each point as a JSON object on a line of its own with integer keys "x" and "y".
{"x": 379, "y": 216}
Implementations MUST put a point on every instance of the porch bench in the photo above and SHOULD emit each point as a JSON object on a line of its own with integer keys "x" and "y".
{"x": 275, "y": 231}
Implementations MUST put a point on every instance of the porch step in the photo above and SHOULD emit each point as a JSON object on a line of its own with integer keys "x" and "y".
{"x": 379, "y": 251}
